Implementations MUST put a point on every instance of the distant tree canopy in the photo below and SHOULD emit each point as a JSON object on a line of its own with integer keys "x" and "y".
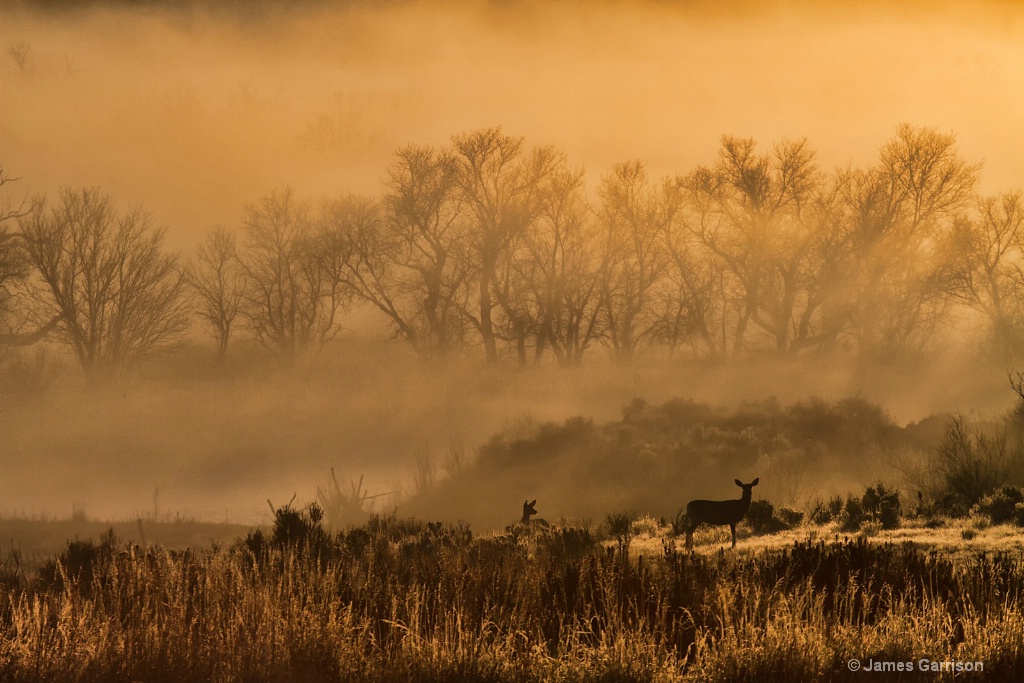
{"x": 104, "y": 277}
{"x": 491, "y": 246}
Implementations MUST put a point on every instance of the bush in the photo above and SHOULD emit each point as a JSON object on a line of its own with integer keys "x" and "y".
{"x": 567, "y": 543}
{"x": 762, "y": 519}
{"x": 853, "y": 515}
{"x": 878, "y": 505}
{"x": 620, "y": 524}
{"x": 1001, "y": 506}
{"x": 645, "y": 526}
{"x": 292, "y": 528}
{"x": 790, "y": 517}
{"x": 824, "y": 512}
{"x": 951, "y": 505}
{"x": 882, "y": 505}
{"x": 77, "y": 564}
{"x": 971, "y": 462}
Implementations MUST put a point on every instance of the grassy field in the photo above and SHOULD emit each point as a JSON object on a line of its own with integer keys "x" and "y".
{"x": 956, "y": 538}
{"x": 400, "y": 600}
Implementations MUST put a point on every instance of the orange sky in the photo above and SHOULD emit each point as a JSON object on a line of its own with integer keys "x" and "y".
{"x": 193, "y": 117}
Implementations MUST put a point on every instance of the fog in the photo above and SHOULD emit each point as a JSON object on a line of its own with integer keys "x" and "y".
{"x": 217, "y": 448}
{"x": 193, "y": 114}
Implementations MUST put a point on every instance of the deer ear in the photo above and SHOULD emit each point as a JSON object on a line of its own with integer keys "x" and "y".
{"x": 533, "y": 502}
{"x": 754, "y": 483}
{"x": 738, "y": 482}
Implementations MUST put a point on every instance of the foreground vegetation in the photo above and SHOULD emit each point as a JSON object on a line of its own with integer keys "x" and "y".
{"x": 408, "y": 600}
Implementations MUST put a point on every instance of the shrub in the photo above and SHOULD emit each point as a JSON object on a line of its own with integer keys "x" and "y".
{"x": 883, "y": 505}
{"x": 824, "y": 512}
{"x": 645, "y": 526}
{"x": 790, "y": 517}
{"x": 620, "y": 524}
{"x": 951, "y": 505}
{"x": 970, "y": 462}
{"x": 819, "y": 514}
{"x": 762, "y": 519}
{"x": 344, "y": 508}
{"x": 835, "y": 506}
{"x": 878, "y": 505}
{"x": 77, "y": 564}
{"x": 853, "y": 515}
{"x": 292, "y": 528}
{"x": 1001, "y": 506}
{"x": 567, "y": 543}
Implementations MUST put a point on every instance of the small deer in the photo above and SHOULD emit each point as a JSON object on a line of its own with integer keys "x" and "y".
{"x": 718, "y": 512}
{"x": 530, "y": 511}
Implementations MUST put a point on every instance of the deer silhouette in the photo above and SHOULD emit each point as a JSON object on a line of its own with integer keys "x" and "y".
{"x": 529, "y": 511}
{"x": 718, "y": 512}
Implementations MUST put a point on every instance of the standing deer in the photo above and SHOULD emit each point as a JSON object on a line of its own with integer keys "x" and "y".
{"x": 530, "y": 511}
{"x": 718, "y": 512}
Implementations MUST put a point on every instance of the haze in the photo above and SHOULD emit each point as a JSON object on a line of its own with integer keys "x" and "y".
{"x": 194, "y": 114}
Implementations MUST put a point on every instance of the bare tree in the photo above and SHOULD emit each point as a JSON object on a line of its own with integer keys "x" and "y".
{"x": 546, "y": 283}
{"x": 562, "y": 247}
{"x": 14, "y": 271}
{"x": 634, "y": 216}
{"x": 20, "y": 52}
{"x": 500, "y": 184}
{"x": 357, "y": 251}
{"x": 218, "y": 282}
{"x": 756, "y": 214}
{"x": 293, "y": 301}
{"x": 685, "y": 304}
{"x": 428, "y": 231}
{"x": 117, "y": 295}
{"x": 988, "y": 250}
{"x": 901, "y": 209}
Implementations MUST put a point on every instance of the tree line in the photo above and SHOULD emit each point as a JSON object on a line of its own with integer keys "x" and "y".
{"x": 490, "y": 246}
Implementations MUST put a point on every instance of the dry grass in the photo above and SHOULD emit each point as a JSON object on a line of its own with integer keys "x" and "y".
{"x": 406, "y": 600}
{"x": 957, "y": 537}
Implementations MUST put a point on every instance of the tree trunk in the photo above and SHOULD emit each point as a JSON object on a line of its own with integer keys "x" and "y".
{"x": 486, "y": 326}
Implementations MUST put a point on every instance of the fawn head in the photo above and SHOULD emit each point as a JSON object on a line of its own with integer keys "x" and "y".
{"x": 746, "y": 487}
{"x": 528, "y": 509}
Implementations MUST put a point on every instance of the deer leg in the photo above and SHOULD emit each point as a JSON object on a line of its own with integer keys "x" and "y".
{"x": 732, "y": 527}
